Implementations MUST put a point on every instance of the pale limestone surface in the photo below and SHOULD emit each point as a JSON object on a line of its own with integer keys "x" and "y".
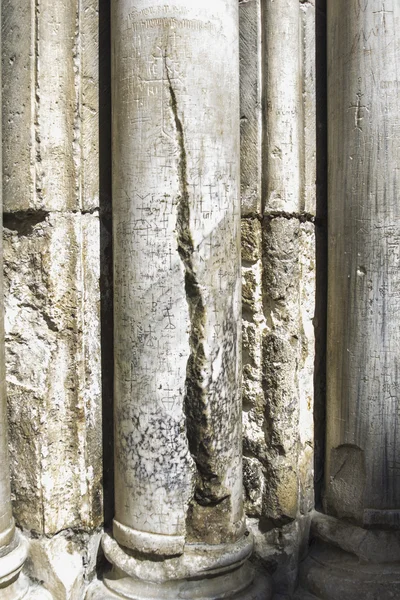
{"x": 308, "y": 76}
{"x": 363, "y": 420}
{"x": 51, "y": 200}
{"x": 278, "y": 276}
{"x": 282, "y": 84}
{"x": 177, "y": 297}
{"x": 356, "y": 550}
{"x": 51, "y": 346}
{"x": 59, "y": 307}
{"x": 176, "y": 218}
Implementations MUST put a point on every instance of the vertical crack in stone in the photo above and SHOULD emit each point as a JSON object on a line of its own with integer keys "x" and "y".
{"x": 195, "y": 401}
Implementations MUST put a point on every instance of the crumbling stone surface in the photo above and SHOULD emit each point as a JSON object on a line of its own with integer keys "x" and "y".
{"x": 278, "y": 277}
{"x": 279, "y": 550}
{"x": 278, "y": 354}
{"x": 278, "y": 376}
{"x": 64, "y": 563}
{"x": 53, "y": 362}
{"x": 52, "y": 276}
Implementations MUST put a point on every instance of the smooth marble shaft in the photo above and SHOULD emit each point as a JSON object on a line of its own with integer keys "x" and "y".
{"x": 283, "y": 106}
{"x": 177, "y": 273}
{"x": 363, "y": 395}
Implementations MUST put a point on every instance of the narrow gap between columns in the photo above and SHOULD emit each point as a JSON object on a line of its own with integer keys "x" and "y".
{"x": 106, "y": 262}
{"x": 321, "y": 251}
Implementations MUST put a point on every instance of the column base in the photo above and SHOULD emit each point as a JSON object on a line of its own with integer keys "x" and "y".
{"x": 219, "y": 588}
{"x": 13, "y": 584}
{"x": 201, "y": 573}
{"x": 363, "y": 568}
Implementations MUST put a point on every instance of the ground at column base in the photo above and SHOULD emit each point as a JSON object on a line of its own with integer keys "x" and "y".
{"x": 202, "y": 589}
{"x": 302, "y": 595}
{"x": 37, "y": 592}
{"x": 333, "y": 574}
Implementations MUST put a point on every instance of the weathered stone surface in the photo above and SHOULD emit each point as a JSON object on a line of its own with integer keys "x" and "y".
{"x": 64, "y": 563}
{"x": 52, "y": 343}
{"x": 250, "y": 105}
{"x": 369, "y": 545}
{"x": 51, "y": 199}
{"x": 332, "y": 574}
{"x": 278, "y": 354}
{"x": 176, "y": 219}
{"x": 50, "y": 100}
{"x": 363, "y": 450}
{"x": 288, "y": 366}
{"x": 176, "y": 296}
{"x": 279, "y": 552}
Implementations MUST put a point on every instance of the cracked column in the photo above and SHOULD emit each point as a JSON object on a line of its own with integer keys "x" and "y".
{"x": 362, "y": 476}
{"x": 179, "y": 527}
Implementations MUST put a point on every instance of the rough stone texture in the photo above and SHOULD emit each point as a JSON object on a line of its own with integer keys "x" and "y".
{"x": 250, "y": 105}
{"x": 278, "y": 353}
{"x": 51, "y": 284}
{"x": 278, "y": 276}
{"x": 285, "y": 435}
{"x": 64, "y": 563}
{"x": 176, "y": 219}
{"x": 51, "y": 200}
{"x": 279, "y": 551}
{"x": 177, "y": 297}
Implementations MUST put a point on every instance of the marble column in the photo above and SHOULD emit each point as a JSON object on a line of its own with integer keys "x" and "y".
{"x": 13, "y": 548}
{"x": 179, "y": 527}
{"x": 362, "y": 484}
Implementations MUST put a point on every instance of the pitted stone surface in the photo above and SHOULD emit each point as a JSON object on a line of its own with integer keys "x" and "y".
{"x": 51, "y": 199}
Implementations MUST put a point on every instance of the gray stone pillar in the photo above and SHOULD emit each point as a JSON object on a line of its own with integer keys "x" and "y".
{"x": 51, "y": 284}
{"x": 278, "y": 293}
{"x": 13, "y": 548}
{"x": 179, "y": 527}
{"x": 362, "y": 484}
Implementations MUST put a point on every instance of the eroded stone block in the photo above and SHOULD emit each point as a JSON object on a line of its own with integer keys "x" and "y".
{"x": 53, "y": 370}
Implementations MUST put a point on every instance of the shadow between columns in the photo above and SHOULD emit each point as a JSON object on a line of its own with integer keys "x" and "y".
{"x": 320, "y": 319}
{"x": 106, "y": 268}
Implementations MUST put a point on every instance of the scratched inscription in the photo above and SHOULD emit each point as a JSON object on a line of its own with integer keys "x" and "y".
{"x": 176, "y": 267}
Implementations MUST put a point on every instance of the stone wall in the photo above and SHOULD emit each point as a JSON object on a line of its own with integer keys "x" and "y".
{"x": 53, "y": 260}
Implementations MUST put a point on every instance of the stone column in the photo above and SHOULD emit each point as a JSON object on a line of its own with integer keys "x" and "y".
{"x": 278, "y": 292}
{"x": 13, "y": 548}
{"x": 52, "y": 296}
{"x": 179, "y": 527}
{"x": 362, "y": 483}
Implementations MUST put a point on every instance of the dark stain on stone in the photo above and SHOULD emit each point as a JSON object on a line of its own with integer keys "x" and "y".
{"x": 24, "y": 221}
